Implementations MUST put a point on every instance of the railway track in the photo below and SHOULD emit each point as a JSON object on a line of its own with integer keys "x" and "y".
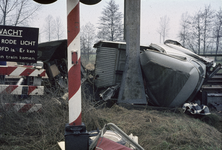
{"x": 212, "y": 90}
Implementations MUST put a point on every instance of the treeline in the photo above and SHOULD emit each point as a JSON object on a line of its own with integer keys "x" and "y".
{"x": 201, "y": 32}
{"x": 110, "y": 28}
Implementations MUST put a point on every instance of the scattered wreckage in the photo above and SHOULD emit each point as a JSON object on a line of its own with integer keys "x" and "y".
{"x": 54, "y": 57}
{"x": 172, "y": 74}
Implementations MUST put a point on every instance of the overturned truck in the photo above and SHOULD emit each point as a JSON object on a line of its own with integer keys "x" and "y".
{"x": 172, "y": 74}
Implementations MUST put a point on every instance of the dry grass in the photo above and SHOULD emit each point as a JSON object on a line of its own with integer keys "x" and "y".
{"x": 37, "y": 130}
{"x": 157, "y": 130}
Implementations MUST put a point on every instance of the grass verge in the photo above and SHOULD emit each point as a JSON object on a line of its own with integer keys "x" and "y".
{"x": 156, "y": 130}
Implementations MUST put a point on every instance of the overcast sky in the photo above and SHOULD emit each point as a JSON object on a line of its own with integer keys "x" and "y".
{"x": 151, "y": 12}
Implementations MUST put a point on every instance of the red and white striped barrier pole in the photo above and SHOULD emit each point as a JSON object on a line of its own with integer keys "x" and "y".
{"x": 74, "y": 73}
{"x": 75, "y": 132}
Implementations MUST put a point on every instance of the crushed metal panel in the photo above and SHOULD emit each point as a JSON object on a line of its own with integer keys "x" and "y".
{"x": 120, "y": 65}
{"x": 52, "y": 50}
{"x": 108, "y": 93}
{"x": 188, "y": 52}
{"x": 110, "y": 62}
{"x": 170, "y": 80}
{"x": 54, "y": 69}
{"x": 105, "y": 66}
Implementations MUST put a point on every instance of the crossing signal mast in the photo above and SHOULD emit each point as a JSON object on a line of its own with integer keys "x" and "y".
{"x": 75, "y": 131}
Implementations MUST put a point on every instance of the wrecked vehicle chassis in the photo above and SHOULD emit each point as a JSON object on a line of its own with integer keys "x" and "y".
{"x": 172, "y": 73}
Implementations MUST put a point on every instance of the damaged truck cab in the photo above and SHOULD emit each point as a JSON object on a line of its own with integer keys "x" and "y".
{"x": 172, "y": 73}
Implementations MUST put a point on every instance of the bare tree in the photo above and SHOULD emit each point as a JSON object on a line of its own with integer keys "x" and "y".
{"x": 7, "y": 7}
{"x": 207, "y": 16}
{"x": 102, "y": 33}
{"x": 87, "y": 39}
{"x": 17, "y": 12}
{"x": 202, "y": 32}
{"x": 217, "y": 30}
{"x": 185, "y": 29}
{"x": 49, "y": 27}
{"x": 110, "y": 23}
{"x": 191, "y": 31}
{"x": 196, "y": 31}
{"x": 164, "y": 27}
{"x": 58, "y": 28}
